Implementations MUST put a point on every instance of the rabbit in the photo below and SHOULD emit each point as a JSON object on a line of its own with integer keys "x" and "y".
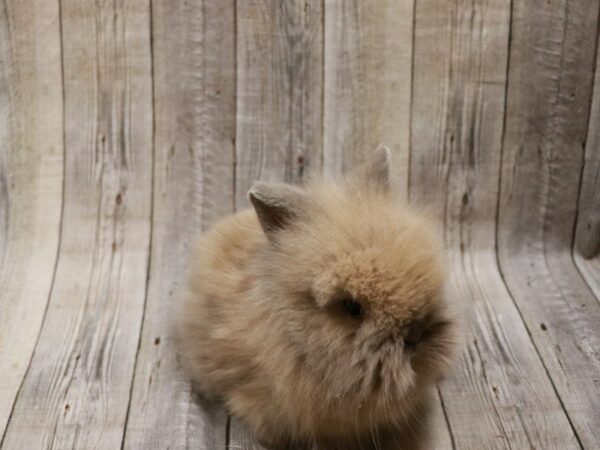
{"x": 319, "y": 316}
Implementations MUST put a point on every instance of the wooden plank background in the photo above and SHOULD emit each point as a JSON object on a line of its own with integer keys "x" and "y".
{"x": 127, "y": 127}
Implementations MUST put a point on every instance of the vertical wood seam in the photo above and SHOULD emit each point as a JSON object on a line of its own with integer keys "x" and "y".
{"x": 410, "y": 118}
{"x": 60, "y": 226}
{"x": 7, "y": 200}
{"x": 235, "y": 153}
{"x": 323, "y": 29}
{"x": 502, "y": 141}
{"x": 227, "y": 431}
{"x": 235, "y": 117}
{"x": 235, "y": 89}
{"x": 150, "y": 225}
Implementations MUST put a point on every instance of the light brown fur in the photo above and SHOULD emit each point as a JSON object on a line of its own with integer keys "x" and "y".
{"x": 263, "y": 326}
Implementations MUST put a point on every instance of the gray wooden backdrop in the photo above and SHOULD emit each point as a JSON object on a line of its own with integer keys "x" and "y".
{"x": 126, "y": 126}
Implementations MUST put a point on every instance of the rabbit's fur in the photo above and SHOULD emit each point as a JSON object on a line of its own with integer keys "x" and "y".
{"x": 319, "y": 317}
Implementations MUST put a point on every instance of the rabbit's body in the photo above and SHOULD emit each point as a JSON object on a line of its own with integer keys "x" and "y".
{"x": 322, "y": 318}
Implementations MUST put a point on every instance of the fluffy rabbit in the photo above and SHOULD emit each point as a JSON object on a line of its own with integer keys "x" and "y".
{"x": 319, "y": 317}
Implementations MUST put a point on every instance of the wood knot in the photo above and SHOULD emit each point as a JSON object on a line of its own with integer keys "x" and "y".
{"x": 465, "y": 199}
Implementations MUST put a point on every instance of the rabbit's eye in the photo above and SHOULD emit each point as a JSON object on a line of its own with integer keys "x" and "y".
{"x": 415, "y": 335}
{"x": 352, "y": 307}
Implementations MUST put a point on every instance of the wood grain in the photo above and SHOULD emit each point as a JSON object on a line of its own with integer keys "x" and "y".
{"x": 368, "y": 51}
{"x": 279, "y": 105}
{"x": 549, "y": 91}
{"x": 279, "y": 91}
{"x": 587, "y": 236}
{"x": 194, "y": 91}
{"x": 76, "y": 392}
{"x": 461, "y": 56}
{"x": 31, "y": 162}
{"x": 241, "y": 437}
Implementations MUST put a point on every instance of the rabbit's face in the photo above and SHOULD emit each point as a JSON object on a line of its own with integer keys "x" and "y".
{"x": 383, "y": 307}
{"x": 359, "y": 283}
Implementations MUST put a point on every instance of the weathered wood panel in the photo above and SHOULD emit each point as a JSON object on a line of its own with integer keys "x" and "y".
{"x": 194, "y": 108}
{"x": 461, "y": 57}
{"x": 279, "y": 105}
{"x": 31, "y": 162}
{"x": 587, "y": 238}
{"x": 368, "y": 51}
{"x": 320, "y": 83}
{"x": 279, "y": 91}
{"x": 549, "y": 91}
{"x": 76, "y": 392}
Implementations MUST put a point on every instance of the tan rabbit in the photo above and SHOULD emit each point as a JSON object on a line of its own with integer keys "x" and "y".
{"x": 319, "y": 317}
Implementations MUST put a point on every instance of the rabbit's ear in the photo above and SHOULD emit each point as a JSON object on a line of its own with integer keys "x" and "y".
{"x": 375, "y": 173}
{"x": 277, "y": 205}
